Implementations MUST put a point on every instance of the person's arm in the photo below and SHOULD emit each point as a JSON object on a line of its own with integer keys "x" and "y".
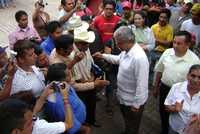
{"x": 68, "y": 111}
{"x": 78, "y": 57}
{"x": 66, "y": 17}
{"x": 173, "y": 103}
{"x": 114, "y": 59}
{"x": 158, "y": 69}
{"x": 156, "y": 83}
{"x": 168, "y": 41}
{"x": 151, "y": 41}
{"x": 5, "y": 93}
{"x": 90, "y": 85}
{"x": 36, "y": 11}
{"x": 141, "y": 74}
{"x": 42, "y": 99}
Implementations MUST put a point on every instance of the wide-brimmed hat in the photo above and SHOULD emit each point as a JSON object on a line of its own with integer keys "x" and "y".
{"x": 2, "y": 49}
{"x": 83, "y": 35}
{"x": 76, "y": 22}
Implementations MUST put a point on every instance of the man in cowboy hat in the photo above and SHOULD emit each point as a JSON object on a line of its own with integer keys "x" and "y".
{"x": 82, "y": 38}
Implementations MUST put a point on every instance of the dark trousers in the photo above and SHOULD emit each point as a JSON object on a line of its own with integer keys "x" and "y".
{"x": 164, "y": 115}
{"x": 89, "y": 99}
{"x": 132, "y": 119}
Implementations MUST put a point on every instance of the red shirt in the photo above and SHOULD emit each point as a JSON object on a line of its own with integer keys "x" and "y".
{"x": 106, "y": 26}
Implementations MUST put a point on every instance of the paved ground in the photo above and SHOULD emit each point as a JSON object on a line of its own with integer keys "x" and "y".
{"x": 111, "y": 125}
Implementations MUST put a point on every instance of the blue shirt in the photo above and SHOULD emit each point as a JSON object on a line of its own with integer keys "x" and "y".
{"x": 48, "y": 45}
{"x": 119, "y": 8}
{"x": 56, "y": 112}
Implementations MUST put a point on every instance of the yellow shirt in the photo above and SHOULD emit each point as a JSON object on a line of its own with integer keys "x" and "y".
{"x": 164, "y": 33}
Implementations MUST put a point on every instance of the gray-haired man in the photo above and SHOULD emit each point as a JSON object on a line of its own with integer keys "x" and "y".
{"x": 132, "y": 78}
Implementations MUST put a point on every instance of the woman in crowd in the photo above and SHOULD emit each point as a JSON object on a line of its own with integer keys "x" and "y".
{"x": 143, "y": 34}
{"x": 183, "y": 101}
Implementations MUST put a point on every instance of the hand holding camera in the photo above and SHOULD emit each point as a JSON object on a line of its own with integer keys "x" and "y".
{"x": 61, "y": 87}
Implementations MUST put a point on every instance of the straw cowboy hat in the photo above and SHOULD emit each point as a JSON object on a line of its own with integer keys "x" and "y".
{"x": 76, "y": 22}
{"x": 83, "y": 35}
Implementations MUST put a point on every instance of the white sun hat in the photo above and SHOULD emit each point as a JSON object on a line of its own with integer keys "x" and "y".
{"x": 83, "y": 35}
{"x": 76, "y": 22}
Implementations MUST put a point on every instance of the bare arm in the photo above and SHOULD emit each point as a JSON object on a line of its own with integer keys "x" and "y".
{"x": 5, "y": 93}
{"x": 68, "y": 110}
{"x": 66, "y": 17}
{"x": 163, "y": 43}
{"x": 156, "y": 83}
{"x": 8, "y": 84}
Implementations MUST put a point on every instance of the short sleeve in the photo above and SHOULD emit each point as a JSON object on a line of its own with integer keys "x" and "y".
{"x": 43, "y": 127}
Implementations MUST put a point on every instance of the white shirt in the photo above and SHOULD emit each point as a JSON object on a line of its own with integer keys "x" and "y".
{"x": 43, "y": 127}
{"x": 174, "y": 69}
{"x": 25, "y": 81}
{"x": 61, "y": 14}
{"x": 191, "y": 106}
{"x": 132, "y": 78}
{"x": 194, "y": 29}
{"x": 82, "y": 69}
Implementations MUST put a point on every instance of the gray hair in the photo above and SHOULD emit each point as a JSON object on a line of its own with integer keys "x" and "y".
{"x": 124, "y": 34}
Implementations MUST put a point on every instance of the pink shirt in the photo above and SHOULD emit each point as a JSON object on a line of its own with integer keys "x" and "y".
{"x": 20, "y": 34}
{"x": 86, "y": 11}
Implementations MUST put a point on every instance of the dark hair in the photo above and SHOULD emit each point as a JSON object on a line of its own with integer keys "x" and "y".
{"x": 189, "y": 4}
{"x": 194, "y": 67}
{"x": 21, "y": 45}
{"x": 110, "y": 2}
{"x": 188, "y": 36}
{"x": 166, "y": 11}
{"x": 63, "y": 2}
{"x": 12, "y": 115}
{"x": 86, "y": 18}
{"x": 144, "y": 16}
{"x": 38, "y": 50}
{"x": 27, "y": 97}
{"x": 52, "y": 26}
{"x": 56, "y": 72}
{"x": 64, "y": 41}
{"x": 19, "y": 14}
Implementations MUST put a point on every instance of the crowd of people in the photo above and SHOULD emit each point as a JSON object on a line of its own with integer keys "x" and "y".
{"x": 49, "y": 82}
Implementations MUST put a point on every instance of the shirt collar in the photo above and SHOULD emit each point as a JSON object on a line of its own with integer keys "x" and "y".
{"x": 19, "y": 29}
{"x": 184, "y": 58}
{"x": 132, "y": 49}
{"x": 185, "y": 89}
{"x": 23, "y": 72}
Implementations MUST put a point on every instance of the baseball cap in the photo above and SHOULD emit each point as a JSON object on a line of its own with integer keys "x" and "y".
{"x": 126, "y": 4}
{"x": 2, "y": 49}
